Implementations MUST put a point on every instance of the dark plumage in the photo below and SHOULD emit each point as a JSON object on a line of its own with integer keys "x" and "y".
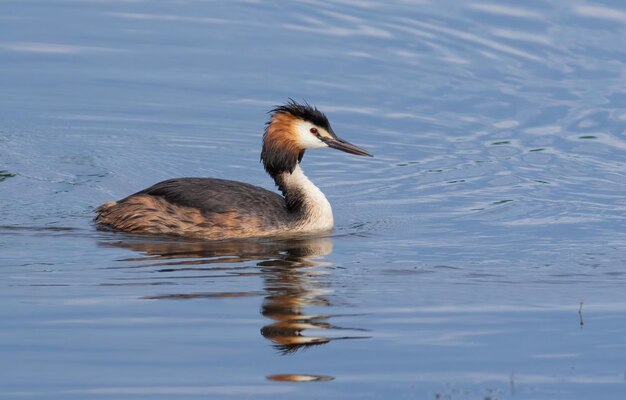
{"x": 212, "y": 195}
{"x": 277, "y": 159}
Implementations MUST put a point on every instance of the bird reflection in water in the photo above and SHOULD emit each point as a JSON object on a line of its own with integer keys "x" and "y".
{"x": 294, "y": 279}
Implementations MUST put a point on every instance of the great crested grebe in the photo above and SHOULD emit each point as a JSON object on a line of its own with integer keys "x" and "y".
{"x": 215, "y": 209}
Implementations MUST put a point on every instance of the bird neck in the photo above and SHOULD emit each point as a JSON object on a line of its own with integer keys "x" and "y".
{"x": 304, "y": 198}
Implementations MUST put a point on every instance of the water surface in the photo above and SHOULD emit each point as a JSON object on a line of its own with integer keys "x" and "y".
{"x": 480, "y": 254}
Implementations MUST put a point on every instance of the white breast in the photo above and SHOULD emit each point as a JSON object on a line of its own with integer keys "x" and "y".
{"x": 319, "y": 214}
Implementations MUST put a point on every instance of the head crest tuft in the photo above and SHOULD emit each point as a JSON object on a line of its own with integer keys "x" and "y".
{"x": 305, "y": 112}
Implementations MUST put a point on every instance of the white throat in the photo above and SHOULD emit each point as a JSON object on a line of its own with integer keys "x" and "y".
{"x": 318, "y": 213}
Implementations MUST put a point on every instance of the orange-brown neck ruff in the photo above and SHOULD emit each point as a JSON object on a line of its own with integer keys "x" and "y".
{"x": 281, "y": 151}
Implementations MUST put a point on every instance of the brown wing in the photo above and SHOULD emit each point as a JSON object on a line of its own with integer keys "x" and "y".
{"x": 212, "y": 195}
{"x": 197, "y": 207}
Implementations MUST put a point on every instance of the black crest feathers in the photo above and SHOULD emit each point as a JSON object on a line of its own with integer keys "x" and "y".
{"x": 303, "y": 111}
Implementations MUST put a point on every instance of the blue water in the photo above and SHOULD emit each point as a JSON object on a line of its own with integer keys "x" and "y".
{"x": 480, "y": 255}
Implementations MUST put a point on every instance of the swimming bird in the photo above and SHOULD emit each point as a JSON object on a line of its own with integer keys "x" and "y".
{"x": 218, "y": 209}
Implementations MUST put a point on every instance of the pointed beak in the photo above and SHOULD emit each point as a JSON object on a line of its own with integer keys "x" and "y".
{"x": 340, "y": 144}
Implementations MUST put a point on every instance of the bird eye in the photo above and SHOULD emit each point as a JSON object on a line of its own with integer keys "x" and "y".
{"x": 314, "y": 131}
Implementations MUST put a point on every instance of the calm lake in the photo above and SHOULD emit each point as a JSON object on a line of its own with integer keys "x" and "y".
{"x": 480, "y": 255}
